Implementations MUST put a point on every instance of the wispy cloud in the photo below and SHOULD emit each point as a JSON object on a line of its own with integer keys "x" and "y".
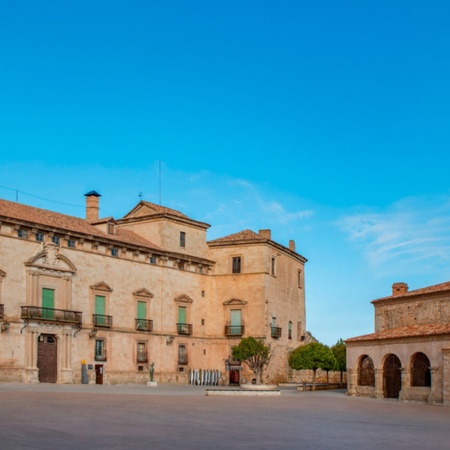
{"x": 411, "y": 232}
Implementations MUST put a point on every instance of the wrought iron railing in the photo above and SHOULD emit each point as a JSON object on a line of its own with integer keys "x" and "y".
{"x": 183, "y": 359}
{"x": 184, "y": 328}
{"x": 51, "y": 314}
{"x": 100, "y": 356}
{"x": 144, "y": 325}
{"x": 142, "y": 357}
{"x": 234, "y": 330}
{"x": 276, "y": 332}
{"x": 100, "y": 320}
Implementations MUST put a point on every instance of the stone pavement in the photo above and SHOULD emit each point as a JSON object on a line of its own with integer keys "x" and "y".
{"x": 50, "y": 416}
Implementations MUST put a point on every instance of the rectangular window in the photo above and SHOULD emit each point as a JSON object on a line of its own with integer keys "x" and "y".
{"x": 236, "y": 267}
{"x": 70, "y": 243}
{"x": 22, "y": 234}
{"x": 182, "y": 239}
{"x": 236, "y": 322}
{"x": 56, "y": 240}
{"x": 48, "y": 303}
{"x": 40, "y": 237}
{"x": 290, "y": 330}
{"x": 111, "y": 228}
{"x": 100, "y": 351}
{"x": 272, "y": 268}
{"x": 141, "y": 323}
{"x": 114, "y": 252}
{"x": 142, "y": 352}
{"x": 152, "y": 259}
{"x": 100, "y": 309}
{"x": 182, "y": 314}
{"x": 299, "y": 278}
{"x": 182, "y": 354}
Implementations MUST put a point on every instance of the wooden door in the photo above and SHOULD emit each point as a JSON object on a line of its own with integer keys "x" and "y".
{"x": 47, "y": 358}
{"x": 99, "y": 374}
{"x": 234, "y": 377}
{"x": 392, "y": 377}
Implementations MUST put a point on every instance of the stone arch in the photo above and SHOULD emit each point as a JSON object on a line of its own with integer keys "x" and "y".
{"x": 366, "y": 371}
{"x": 420, "y": 370}
{"x": 392, "y": 376}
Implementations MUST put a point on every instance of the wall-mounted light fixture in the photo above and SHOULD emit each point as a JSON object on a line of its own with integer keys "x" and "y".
{"x": 92, "y": 334}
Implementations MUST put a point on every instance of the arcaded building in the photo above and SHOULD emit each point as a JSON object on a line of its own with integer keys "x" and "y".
{"x": 111, "y": 296}
{"x": 408, "y": 356}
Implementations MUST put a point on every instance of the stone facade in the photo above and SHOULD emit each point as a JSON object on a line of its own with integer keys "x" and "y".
{"x": 106, "y": 297}
{"x": 408, "y": 355}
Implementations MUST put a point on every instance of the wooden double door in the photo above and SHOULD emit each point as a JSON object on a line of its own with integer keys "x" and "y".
{"x": 392, "y": 377}
{"x": 47, "y": 362}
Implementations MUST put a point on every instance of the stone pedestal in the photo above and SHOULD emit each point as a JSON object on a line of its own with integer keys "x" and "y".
{"x": 152, "y": 383}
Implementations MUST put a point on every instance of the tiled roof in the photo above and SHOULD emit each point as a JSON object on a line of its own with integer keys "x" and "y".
{"x": 37, "y": 217}
{"x": 429, "y": 329}
{"x": 426, "y": 290}
{"x": 242, "y": 236}
{"x": 158, "y": 209}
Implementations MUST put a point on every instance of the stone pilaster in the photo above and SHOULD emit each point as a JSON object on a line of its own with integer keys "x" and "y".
{"x": 406, "y": 383}
{"x": 352, "y": 382}
{"x": 446, "y": 376}
{"x": 379, "y": 384}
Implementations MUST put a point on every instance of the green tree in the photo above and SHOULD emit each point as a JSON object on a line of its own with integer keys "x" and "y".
{"x": 340, "y": 353}
{"x": 313, "y": 356}
{"x": 255, "y": 353}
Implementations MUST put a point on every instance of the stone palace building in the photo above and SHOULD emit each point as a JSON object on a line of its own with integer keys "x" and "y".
{"x": 408, "y": 356}
{"x": 98, "y": 300}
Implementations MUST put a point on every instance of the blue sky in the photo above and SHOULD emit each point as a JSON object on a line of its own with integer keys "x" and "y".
{"x": 326, "y": 121}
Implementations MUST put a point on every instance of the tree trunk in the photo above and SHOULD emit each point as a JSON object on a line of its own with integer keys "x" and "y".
{"x": 258, "y": 377}
{"x": 342, "y": 377}
{"x": 314, "y": 380}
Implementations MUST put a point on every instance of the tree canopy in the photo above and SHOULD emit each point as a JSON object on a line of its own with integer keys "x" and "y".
{"x": 340, "y": 353}
{"x": 313, "y": 356}
{"x": 255, "y": 353}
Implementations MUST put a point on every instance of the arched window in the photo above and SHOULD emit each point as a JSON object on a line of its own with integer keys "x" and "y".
{"x": 420, "y": 370}
{"x": 366, "y": 372}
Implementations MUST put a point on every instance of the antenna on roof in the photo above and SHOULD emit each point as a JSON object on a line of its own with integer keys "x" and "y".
{"x": 140, "y": 195}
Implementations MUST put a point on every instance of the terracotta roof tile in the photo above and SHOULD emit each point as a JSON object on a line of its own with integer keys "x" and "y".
{"x": 426, "y": 290}
{"x": 429, "y": 329}
{"x": 241, "y": 236}
{"x": 37, "y": 217}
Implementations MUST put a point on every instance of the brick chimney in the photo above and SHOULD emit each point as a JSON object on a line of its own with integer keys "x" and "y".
{"x": 92, "y": 205}
{"x": 399, "y": 289}
{"x": 266, "y": 234}
{"x": 292, "y": 245}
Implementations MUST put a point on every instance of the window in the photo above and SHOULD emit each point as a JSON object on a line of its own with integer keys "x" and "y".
{"x": 182, "y": 239}
{"x": 272, "y": 268}
{"x": 23, "y": 234}
{"x": 100, "y": 317}
{"x": 141, "y": 355}
{"x": 366, "y": 372}
{"x": 70, "y": 243}
{"x": 236, "y": 264}
{"x": 100, "y": 350}
{"x": 111, "y": 228}
{"x": 152, "y": 259}
{"x": 420, "y": 368}
{"x": 114, "y": 252}
{"x": 56, "y": 240}
{"x": 290, "y": 330}
{"x": 236, "y": 328}
{"x": 40, "y": 237}
{"x": 141, "y": 321}
{"x": 48, "y": 303}
{"x": 299, "y": 278}
{"x": 182, "y": 354}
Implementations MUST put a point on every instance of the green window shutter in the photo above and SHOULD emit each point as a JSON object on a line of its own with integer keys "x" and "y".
{"x": 100, "y": 309}
{"x": 236, "y": 321}
{"x": 181, "y": 314}
{"x": 141, "y": 310}
{"x": 48, "y": 301}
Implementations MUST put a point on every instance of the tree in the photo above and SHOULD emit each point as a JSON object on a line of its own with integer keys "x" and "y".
{"x": 255, "y": 353}
{"x": 340, "y": 353}
{"x": 313, "y": 356}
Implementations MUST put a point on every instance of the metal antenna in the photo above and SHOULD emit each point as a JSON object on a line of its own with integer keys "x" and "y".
{"x": 159, "y": 182}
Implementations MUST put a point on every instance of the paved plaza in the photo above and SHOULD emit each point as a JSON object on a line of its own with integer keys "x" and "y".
{"x": 50, "y": 416}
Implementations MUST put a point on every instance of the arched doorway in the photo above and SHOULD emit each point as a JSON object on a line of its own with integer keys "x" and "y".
{"x": 420, "y": 370}
{"x": 47, "y": 358}
{"x": 392, "y": 376}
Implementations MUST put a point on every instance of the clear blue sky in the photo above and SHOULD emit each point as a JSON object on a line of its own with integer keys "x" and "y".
{"x": 326, "y": 121}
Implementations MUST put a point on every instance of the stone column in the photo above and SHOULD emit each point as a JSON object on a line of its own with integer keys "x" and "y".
{"x": 352, "y": 382}
{"x": 433, "y": 397}
{"x": 406, "y": 383}
{"x": 446, "y": 376}
{"x": 379, "y": 384}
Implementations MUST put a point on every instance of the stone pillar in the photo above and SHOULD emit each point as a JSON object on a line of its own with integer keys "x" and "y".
{"x": 406, "y": 383}
{"x": 31, "y": 370}
{"x": 379, "y": 384}
{"x": 433, "y": 397}
{"x": 446, "y": 376}
{"x": 352, "y": 382}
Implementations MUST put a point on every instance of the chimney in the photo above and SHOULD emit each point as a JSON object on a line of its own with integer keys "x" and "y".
{"x": 266, "y": 234}
{"x": 399, "y": 289}
{"x": 292, "y": 245}
{"x": 92, "y": 205}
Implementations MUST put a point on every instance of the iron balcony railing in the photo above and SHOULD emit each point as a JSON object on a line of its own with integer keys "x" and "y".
{"x": 276, "y": 332}
{"x": 184, "y": 328}
{"x": 234, "y": 330}
{"x": 182, "y": 359}
{"x": 100, "y": 356}
{"x": 144, "y": 325}
{"x": 51, "y": 314}
{"x": 142, "y": 357}
{"x": 2, "y": 311}
{"x": 101, "y": 320}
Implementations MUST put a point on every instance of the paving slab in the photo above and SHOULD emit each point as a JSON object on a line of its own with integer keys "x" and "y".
{"x": 49, "y": 416}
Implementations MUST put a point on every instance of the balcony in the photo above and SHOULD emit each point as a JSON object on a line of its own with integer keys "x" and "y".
{"x": 182, "y": 359}
{"x": 142, "y": 357}
{"x": 144, "y": 325}
{"x": 276, "y": 332}
{"x": 2, "y": 311}
{"x": 50, "y": 314}
{"x": 100, "y": 356}
{"x": 184, "y": 328}
{"x": 234, "y": 330}
{"x": 100, "y": 320}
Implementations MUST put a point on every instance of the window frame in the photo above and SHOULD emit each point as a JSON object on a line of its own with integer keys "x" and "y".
{"x": 236, "y": 265}
{"x": 183, "y": 239}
